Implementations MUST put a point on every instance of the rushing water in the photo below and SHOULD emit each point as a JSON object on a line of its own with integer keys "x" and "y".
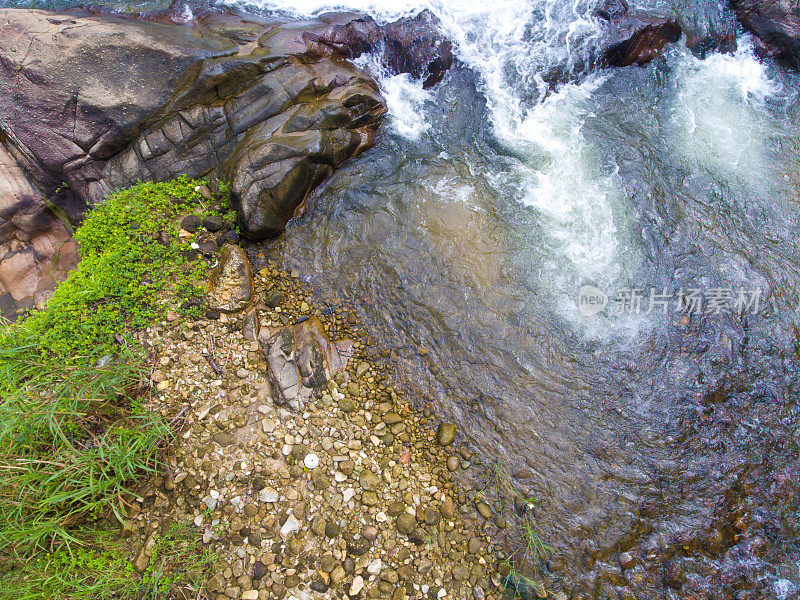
{"x": 492, "y": 199}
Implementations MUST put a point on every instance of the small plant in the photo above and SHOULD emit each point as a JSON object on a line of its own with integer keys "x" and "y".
{"x": 99, "y": 572}
{"x": 178, "y": 560}
{"x": 131, "y": 254}
{"x": 74, "y": 429}
{"x": 531, "y": 548}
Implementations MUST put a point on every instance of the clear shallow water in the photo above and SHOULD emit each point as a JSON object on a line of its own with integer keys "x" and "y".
{"x": 491, "y": 199}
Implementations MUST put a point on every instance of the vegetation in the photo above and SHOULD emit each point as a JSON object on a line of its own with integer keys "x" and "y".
{"x": 104, "y": 571}
{"x": 73, "y": 433}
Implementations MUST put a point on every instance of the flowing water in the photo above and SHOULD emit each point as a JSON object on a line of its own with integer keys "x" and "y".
{"x": 665, "y": 437}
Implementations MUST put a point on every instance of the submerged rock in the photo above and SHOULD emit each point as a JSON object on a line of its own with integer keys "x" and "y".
{"x": 645, "y": 43}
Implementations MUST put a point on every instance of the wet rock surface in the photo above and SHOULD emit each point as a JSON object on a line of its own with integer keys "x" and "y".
{"x": 776, "y": 23}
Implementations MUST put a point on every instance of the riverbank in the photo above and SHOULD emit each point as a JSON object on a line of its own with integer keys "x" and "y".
{"x": 229, "y": 491}
{"x": 357, "y": 493}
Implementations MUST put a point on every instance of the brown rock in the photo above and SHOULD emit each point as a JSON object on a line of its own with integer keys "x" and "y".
{"x": 230, "y": 283}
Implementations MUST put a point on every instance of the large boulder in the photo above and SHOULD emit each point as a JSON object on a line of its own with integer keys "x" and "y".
{"x": 776, "y": 24}
{"x": 94, "y": 101}
{"x": 301, "y": 359}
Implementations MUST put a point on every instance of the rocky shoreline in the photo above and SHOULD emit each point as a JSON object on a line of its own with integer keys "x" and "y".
{"x": 98, "y": 100}
{"x": 358, "y": 493}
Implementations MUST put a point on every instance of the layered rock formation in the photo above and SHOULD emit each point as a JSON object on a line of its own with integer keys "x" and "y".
{"x": 93, "y": 102}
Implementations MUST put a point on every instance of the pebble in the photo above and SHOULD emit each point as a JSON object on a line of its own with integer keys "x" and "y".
{"x": 446, "y": 434}
{"x": 484, "y": 509}
{"x": 289, "y": 528}
{"x": 357, "y": 585}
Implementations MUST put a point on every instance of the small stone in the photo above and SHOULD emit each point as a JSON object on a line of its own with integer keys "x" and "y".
{"x": 396, "y": 508}
{"x": 213, "y": 223}
{"x": 459, "y": 572}
{"x": 370, "y": 532}
{"x": 369, "y": 481}
{"x": 357, "y": 585}
{"x": 318, "y": 526}
{"x": 453, "y": 463}
{"x": 406, "y": 523}
{"x": 338, "y": 575}
{"x": 223, "y": 438}
{"x": 474, "y": 545}
{"x": 259, "y": 570}
{"x": 477, "y": 593}
{"x": 347, "y": 406}
{"x": 392, "y": 418}
{"x": 268, "y": 496}
{"x": 204, "y": 192}
{"x": 250, "y": 595}
{"x": 369, "y": 499}
{"x": 448, "y": 508}
{"x": 331, "y": 529}
{"x": 374, "y": 568}
{"x": 190, "y": 223}
{"x": 289, "y": 528}
{"x": 327, "y": 563}
{"x": 446, "y": 434}
{"x": 484, "y": 509}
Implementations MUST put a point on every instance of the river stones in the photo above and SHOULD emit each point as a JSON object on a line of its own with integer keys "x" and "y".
{"x": 230, "y": 283}
{"x": 446, "y": 434}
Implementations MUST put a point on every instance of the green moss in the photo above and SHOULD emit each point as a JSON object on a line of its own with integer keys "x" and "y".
{"x": 131, "y": 253}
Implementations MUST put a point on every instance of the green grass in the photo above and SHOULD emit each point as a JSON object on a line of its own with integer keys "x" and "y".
{"x": 73, "y": 435}
{"x": 532, "y": 547}
{"x": 104, "y": 571}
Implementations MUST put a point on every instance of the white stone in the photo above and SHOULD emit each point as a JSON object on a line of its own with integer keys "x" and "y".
{"x": 381, "y": 517}
{"x": 375, "y": 567}
{"x": 198, "y": 520}
{"x": 250, "y": 595}
{"x": 311, "y": 461}
{"x": 289, "y": 528}
{"x": 348, "y": 494}
{"x": 442, "y": 593}
{"x": 268, "y": 496}
{"x": 339, "y": 476}
{"x": 357, "y": 585}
